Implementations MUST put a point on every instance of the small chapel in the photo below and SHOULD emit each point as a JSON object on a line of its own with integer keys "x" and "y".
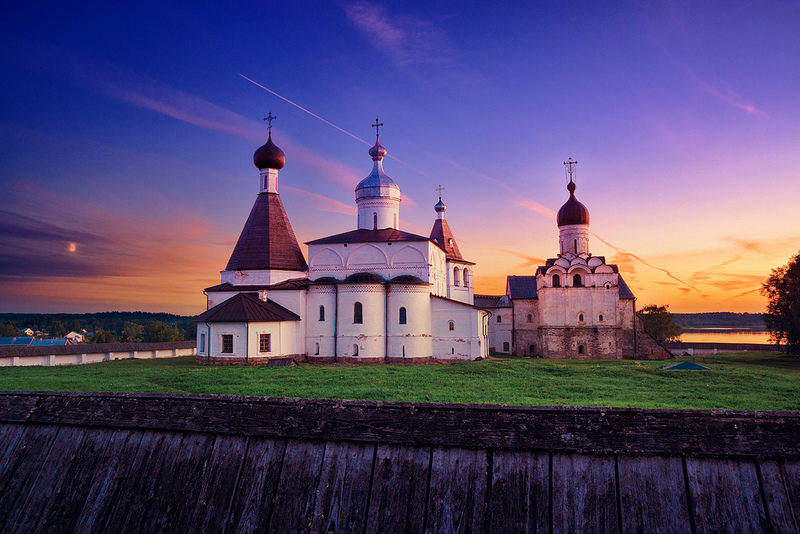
{"x": 575, "y": 305}
{"x": 375, "y": 294}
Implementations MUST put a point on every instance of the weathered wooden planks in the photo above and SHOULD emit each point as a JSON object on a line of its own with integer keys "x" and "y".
{"x": 399, "y": 489}
{"x": 584, "y": 495}
{"x": 457, "y": 491}
{"x": 297, "y": 488}
{"x": 520, "y": 496}
{"x": 726, "y": 492}
{"x": 780, "y": 482}
{"x": 566, "y": 429}
{"x": 653, "y": 495}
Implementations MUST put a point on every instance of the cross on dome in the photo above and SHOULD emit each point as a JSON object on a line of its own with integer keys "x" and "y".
{"x": 377, "y": 126}
{"x": 269, "y": 118}
{"x": 569, "y": 167}
{"x": 440, "y": 189}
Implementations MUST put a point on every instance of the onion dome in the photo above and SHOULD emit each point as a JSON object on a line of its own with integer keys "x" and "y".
{"x": 572, "y": 212}
{"x": 269, "y": 156}
{"x": 440, "y": 207}
{"x": 374, "y": 184}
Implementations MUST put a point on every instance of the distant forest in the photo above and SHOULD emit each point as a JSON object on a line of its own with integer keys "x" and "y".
{"x": 743, "y": 321}
{"x": 105, "y": 327}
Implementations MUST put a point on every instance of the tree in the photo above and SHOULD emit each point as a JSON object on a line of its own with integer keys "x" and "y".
{"x": 101, "y": 336}
{"x": 9, "y": 330}
{"x": 156, "y": 331}
{"x": 133, "y": 333}
{"x": 659, "y": 323}
{"x": 782, "y": 290}
{"x": 58, "y": 329}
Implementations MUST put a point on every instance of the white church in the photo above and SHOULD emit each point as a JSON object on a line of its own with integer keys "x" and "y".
{"x": 375, "y": 294}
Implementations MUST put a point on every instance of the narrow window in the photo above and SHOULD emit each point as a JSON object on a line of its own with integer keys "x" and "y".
{"x": 322, "y": 313}
{"x": 576, "y": 281}
{"x": 580, "y": 317}
{"x": 531, "y": 349}
{"x": 576, "y": 246}
{"x": 202, "y": 342}
{"x": 530, "y": 318}
{"x": 600, "y": 318}
{"x": 452, "y": 350}
{"x": 505, "y": 346}
{"x": 374, "y": 221}
{"x": 456, "y": 277}
{"x": 581, "y": 350}
{"x": 404, "y": 351}
{"x": 499, "y": 319}
{"x": 358, "y": 313}
{"x": 355, "y": 349}
{"x": 264, "y": 343}
{"x": 466, "y": 277}
{"x": 316, "y": 349}
{"x": 556, "y": 281}
{"x": 608, "y": 286}
{"x": 265, "y": 182}
{"x": 451, "y": 326}
{"x": 227, "y": 343}
{"x": 402, "y": 316}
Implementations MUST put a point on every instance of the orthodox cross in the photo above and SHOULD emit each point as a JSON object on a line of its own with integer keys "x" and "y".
{"x": 377, "y": 126}
{"x": 569, "y": 166}
{"x": 440, "y": 189}
{"x": 269, "y": 118}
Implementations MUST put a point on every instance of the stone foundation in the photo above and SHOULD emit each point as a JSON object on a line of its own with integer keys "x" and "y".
{"x": 267, "y": 361}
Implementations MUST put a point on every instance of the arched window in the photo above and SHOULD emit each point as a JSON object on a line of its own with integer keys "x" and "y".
{"x": 355, "y": 349}
{"x": 505, "y": 346}
{"x": 402, "y": 316}
{"x": 576, "y": 281}
{"x": 531, "y": 349}
{"x": 358, "y": 313}
{"x": 608, "y": 286}
{"x": 451, "y": 326}
{"x": 580, "y": 317}
{"x": 556, "y": 281}
{"x": 322, "y": 313}
{"x": 576, "y": 246}
{"x": 466, "y": 277}
{"x": 530, "y": 319}
{"x": 316, "y": 349}
{"x": 581, "y": 350}
{"x": 600, "y": 318}
{"x": 456, "y": 277}
{"x": 499, "y": 319}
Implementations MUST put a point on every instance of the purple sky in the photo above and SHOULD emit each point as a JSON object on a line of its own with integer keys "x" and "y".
{"x": 128, "y": 131}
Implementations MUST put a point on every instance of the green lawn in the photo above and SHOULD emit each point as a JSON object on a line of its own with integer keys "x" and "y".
{"x": 744, "y": 381}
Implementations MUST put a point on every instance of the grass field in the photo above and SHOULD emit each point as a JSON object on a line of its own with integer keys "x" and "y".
{"x": 743, "y": 381}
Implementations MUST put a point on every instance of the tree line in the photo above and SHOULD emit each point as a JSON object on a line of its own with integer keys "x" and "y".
{"x": 104, "y": 327}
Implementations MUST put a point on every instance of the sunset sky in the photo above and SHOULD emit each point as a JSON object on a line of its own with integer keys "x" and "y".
{"x": 128, "y": 130}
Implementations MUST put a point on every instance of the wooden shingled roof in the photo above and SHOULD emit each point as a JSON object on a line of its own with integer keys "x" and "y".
{"x": 267, "y": 240}
{"x": 441, "y": 234}
{"x": 111, "y": 462}
{"x": 246, "y": 308}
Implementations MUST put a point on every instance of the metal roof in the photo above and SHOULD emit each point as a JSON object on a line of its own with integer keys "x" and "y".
{"x": 522, "y": 287}
{"x": 385, "y": 235}
{"x": 295, "y": 283}
{"x": 246, "y": 308}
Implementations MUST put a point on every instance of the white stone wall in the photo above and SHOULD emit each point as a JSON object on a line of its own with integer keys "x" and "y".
{"x": 259, "y": 277}
{"x": 284, "y": 337}
{"x": 500, "y": 332}
{"x": 415, "y": 338}
{"x": 369, "y": 335}
{"x": 380, "y": 213}
{"x": 320, "y": 341}
{"x": 468, "y": 339}
{"x": 458, "y": 288}
{"x": 574, "y": 239}
{"x": 217, "y": 330}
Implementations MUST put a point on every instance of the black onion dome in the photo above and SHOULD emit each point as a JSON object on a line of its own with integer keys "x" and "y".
{"x": 572, "y": 212}
{"x": 269, "y": 156}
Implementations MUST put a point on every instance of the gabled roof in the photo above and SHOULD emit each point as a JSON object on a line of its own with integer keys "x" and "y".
{"x": 486, "y": 301}
{"x": 441, "y": 234}
{"x": 624, "y": 291}
{"x": 371, "y": 236}
{"x": 294, "y": 283}
{"x": 522, "y": 287}
{"x": 246, "y": 308}
{"x": 49, "y": 342}
{"x": 267, "y": 240}
{"x": 16, "y": 340}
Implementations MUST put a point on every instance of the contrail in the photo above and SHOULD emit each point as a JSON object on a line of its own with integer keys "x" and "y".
{"x": 304, "y": 109}
{"x": 298, "y": 106}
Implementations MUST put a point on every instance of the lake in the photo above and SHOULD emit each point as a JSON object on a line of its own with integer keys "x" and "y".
{"x": 722, "y": 335}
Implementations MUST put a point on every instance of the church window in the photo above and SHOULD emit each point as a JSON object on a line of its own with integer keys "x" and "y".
{"x": 404, "y": 351}
{"x": 580, "y": 317}
{"x": 265, "y": 182}
{"x": 530, "y": 318}
{"x": 608, "y": 286}
{"x": 322, "y": 313}
{"x": 316, "y": 349}
{"x": 451, "y": 326}
{"x": 600, "y": 318}
{"x": 374, "y": 221}
{"x": 202, "y": 342}
{"x": 402, "y": 316}
{"x": 556, "y": 281}
{"x": 355, "y": 349}
{"x": 576, "y": 281}
{"x": 450, "y": 242}
{"x": 576, "y": 245}
{"x": 227, "y": 343}
{"x": 466, "y": 277}
{"x": 452, "y": 350}
{"x": 358, "y": 313}
{"x": 264, "y": 343}
{"x": 532, "y": 349}
{"x": 581, "y": 349}
{"x": 499, "y": 319}
{"x": 505, "y": 346}
{"x": 456, "y": 277}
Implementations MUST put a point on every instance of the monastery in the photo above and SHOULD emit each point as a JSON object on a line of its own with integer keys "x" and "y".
{"x": 378, "y": 294}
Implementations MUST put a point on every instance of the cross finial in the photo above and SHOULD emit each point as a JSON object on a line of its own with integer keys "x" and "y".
{"x": 569, "y": 167}
{"x": 440, "y": 189}
{"x": 269, "y": 118}
{"x": 377, "y": 126}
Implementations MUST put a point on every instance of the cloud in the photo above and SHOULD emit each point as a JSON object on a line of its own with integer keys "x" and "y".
{"x": 323, "y": 203}
{"x": 705, "y": 274}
